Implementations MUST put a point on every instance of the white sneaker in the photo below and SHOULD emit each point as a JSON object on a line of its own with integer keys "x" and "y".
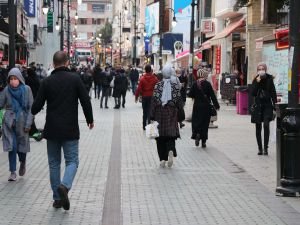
{"x": 12, "y": 177}
{"x": 170, "y": 159}
{"x": 163, "y": 163}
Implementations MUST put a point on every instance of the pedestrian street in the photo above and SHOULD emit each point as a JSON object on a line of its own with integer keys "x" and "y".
{"x": 120, "y": 182}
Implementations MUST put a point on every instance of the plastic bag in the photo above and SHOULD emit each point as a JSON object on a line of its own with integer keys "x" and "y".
{"x": 273, "y": 129}
{"x": 152, "y": 130}
{"x": 112, "y": 83}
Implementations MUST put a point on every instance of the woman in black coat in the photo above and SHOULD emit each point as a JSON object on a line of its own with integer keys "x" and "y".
{"x": 117, "y": 89}
{"x": 265, "y": 97}
{"x": 203, "y": 94}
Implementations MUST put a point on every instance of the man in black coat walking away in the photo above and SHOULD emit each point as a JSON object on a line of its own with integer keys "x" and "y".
{"x": 106, "y": 79}
{"x": 124, "y": 86}
{"x": 61, "y": 91}
{"x": 134, "y": 77}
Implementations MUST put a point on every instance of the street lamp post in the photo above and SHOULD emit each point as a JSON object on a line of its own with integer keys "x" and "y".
{"x": 289, "y": 140}
{"x": 161, "y": 24}
{"x": 120, "y": 38}
{"x": 62, "y": 25}
{"x": 135, "y": 30}
{"x": 192, "y": 30}
{"x": 69, "y": 27}
{"x": 12, "y": 32}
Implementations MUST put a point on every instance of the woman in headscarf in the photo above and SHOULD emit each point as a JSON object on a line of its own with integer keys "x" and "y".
{"x": 265, "y": 96}
{"x": 203, "y": 95}
{"x": 166, "y": 102}
{"x": 17, "y": 100}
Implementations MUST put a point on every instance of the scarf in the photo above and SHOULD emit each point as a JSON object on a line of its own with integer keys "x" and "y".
{"x": 18, "y": 99}
{"x": 167, "y": 92}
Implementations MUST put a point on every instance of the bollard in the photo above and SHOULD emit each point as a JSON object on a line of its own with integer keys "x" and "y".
{"x": 289, "y": 152}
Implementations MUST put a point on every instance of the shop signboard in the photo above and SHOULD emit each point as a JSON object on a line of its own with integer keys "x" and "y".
{"x": 206, "y": 26}
{"x": 218, "y": 60}
{"x": 152, "y": 19}
{"x": 29, "y": 7}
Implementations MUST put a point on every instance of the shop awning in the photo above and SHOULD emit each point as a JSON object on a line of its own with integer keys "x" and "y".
{"x": 229, "y": 29}
{"x": 205, "y": 45}
{"x": 187, "y": 53}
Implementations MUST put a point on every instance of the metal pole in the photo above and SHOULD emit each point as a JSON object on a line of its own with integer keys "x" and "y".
{"x": 69, "y": 24}
{"x": 161, "y": 24}
{"x": 289, "y": 140}
{"x": 62, "y": 25}
{"x": 12, "y": 33}
{"x": 134, "y": 41}
{"x": 295, "y": 53}
{"x": 192, "y": 30}
{"x": 120, "y": 38}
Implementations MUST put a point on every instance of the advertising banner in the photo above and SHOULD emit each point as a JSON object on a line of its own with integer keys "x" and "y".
{"x": 29, "y": 7}
{"x": 152, "y": 19}
{"x": 183, "y": 14}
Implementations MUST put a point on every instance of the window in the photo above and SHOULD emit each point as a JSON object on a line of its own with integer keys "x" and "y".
{"x": 97, "y": 21}
{"x": 82, "y": 21}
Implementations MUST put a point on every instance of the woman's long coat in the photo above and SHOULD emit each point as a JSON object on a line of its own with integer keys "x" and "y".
{"x": 201, "y": 108}
{"x": 24, "y": 121}
{"x": 166, "y": 115}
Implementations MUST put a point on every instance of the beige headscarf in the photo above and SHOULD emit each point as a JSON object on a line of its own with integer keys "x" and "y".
{"x": 263, "y": 65}
{"x": 202, "y": 74}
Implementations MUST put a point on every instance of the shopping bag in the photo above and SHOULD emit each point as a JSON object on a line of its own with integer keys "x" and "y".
{"x": 152, "y": 130}
{"x": 112, "y": 83}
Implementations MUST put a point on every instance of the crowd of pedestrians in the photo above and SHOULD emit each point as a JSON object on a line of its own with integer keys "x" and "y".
{"x": 24, "y": 93}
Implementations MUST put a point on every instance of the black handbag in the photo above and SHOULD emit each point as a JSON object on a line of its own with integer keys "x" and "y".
{"x": 255, "y": 112}
{"x": 180, "y": 114}
{"x": 213, "y": 111}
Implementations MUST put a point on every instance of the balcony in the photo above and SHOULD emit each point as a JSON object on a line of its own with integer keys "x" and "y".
{"x": 224, "y": 9}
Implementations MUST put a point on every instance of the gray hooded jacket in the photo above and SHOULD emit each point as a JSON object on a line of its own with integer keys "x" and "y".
{"x": 9, "y": 123}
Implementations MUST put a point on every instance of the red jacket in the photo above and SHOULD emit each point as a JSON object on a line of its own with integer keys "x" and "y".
{"x": 146, "y": 85}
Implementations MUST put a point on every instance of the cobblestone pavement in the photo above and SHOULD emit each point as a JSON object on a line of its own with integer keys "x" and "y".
{"x": 119, "y": 180}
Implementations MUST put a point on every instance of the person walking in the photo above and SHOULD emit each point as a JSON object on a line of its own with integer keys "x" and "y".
{"x": 61, "y": 91}
{"x": 204, "y": 96}
{"x": 166, "y": 103}
{"x": 106, "y": 79}
{"x": 117, "y": 89}
{"x": 145, "y": 88}
{"x": 124, "y": 86}
{"x": 265, "y": 96}
{"x": 16, "y": 99}
{"x": 33, "y": 82}
{"x": 134, "y": 77}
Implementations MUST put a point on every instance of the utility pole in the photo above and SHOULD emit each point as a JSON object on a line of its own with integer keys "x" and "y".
{"x": 192, "y": 30}
{"x": 120, "y": 38}
{"x": 12, "y": 8}
{"x": 134, "y": 41}
{"x": 161, "y": 29}
{"x": 69, "y": 24}
{"x": 62, "y": 25}
{"x": 289, "y": 140}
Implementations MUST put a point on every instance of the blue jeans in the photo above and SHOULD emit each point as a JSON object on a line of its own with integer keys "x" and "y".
{"x": 12, "y": 155}
{"x": 70, "y": 150}
{"x": 133, "y": 86}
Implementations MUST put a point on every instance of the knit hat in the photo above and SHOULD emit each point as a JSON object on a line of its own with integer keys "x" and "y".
{"x": 202, "y": 73}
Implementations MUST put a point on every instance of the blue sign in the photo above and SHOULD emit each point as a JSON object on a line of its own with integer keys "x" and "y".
{"x": 29, "y": 7}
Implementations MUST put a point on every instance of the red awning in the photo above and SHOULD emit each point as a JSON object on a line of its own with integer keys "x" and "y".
{"x": 229, "y": 29}
{"x": 187, "y": 53}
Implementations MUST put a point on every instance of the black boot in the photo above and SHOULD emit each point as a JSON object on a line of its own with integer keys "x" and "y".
{"x": 197, "y": 140}
{"x": 260, "y": 151}
{"x": 203, "y": 144}
{"x": 265, "y": 151}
